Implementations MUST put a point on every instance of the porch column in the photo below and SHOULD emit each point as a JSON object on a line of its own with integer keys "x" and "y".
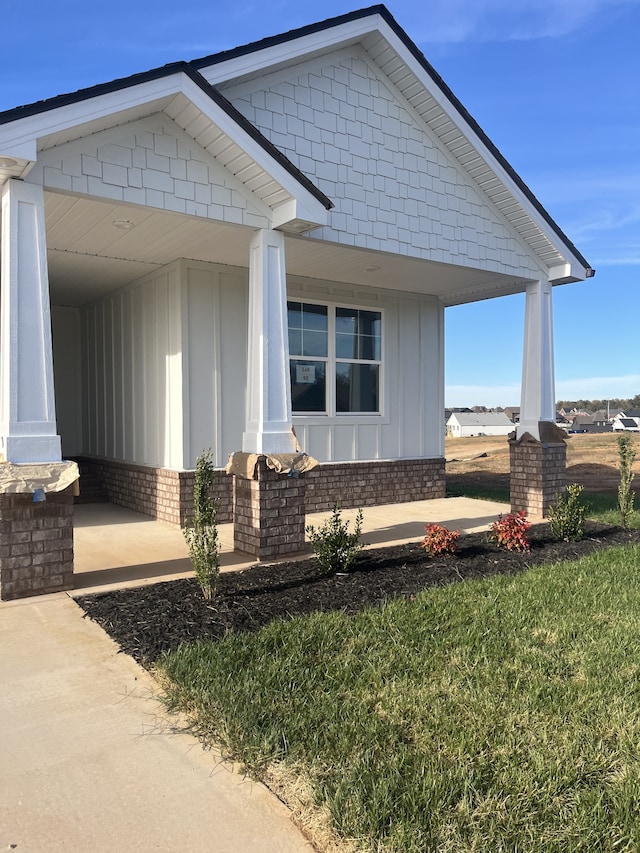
{"x": 538, "y": 451}
{"x": 27, "y": 406}
{"x": 269, "y": 423}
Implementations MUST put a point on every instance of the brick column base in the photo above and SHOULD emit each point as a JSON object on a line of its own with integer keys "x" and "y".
{"x": 36, "y": 544}
{"x": 268, "y": 513}
{"x": 538, "y": 474}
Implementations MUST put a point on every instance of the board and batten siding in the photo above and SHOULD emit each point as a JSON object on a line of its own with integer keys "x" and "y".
{"x": 165, "y": 363}
{"x": 155, "y": 391}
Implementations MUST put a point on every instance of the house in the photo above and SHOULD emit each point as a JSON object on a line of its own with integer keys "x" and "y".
{"x": 627, "y": 421}
{"x": 210, "y": 253}
{"x": 463, "y": 424}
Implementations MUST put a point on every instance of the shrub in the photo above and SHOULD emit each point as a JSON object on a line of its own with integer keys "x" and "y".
{"x": 333, "y": 545}
{"x": 567, "y": 516}
{"x": 510, "y": 532}
{"x": 440, "y": 540}
{"x": 626, "y": 455}
{"x": 201, "y": 534}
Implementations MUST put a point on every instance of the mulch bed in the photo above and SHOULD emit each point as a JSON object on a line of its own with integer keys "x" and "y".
{"x": 149, "y": 620}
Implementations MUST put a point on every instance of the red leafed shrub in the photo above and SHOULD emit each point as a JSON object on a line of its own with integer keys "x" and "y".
{"x": 439, "y": 540}
{"x": 510, "y": 532}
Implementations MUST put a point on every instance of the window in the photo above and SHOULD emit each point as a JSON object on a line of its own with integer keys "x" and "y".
{"x": 335, "y": 358}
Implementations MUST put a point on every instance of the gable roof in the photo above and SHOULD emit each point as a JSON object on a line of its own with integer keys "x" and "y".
{"x": 133, "y": 96}
{"x": 407, "y": 67}
{"x": 397, "y": 56}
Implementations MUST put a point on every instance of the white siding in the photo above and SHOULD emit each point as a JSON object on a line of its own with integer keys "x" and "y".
{"x": 395, "y": 187}
{"x": 132, "y": 382}
{"x": 216, "y": 360}
{"x": 150, "y": 162}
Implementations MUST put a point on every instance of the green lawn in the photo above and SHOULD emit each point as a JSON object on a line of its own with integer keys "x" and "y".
{"x": 496, "y": 715}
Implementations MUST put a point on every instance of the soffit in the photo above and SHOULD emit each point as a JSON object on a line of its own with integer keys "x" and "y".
{"x": 89, "y": 256}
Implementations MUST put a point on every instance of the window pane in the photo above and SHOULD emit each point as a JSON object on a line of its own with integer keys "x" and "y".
{"x": 357, "y": 387}
{"x": 308, "y": 386}
{"x": 358, "y": 334}
{"x": 314, "y": 317}
{"x": 346, "y": 346}
{"x": 294, "y": 313}
{"x": 314, "y": 343}
{"x": 295, "y": 341}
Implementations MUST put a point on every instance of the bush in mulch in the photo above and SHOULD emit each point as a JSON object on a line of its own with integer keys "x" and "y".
{"x": 149, "y": 620}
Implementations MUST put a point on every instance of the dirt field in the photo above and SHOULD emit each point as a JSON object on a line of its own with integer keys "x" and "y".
{"x": 592, "y": 461}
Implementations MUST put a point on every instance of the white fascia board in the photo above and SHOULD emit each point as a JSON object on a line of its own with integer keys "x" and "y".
{"x": 290, "y": 51}
{"x": 25, "y": 131}
{"x": 306, "y": 205}
{"x": 578, "y": 271}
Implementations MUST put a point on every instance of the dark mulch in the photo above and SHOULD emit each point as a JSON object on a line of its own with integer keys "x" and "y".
{"x": 149, "y": 620}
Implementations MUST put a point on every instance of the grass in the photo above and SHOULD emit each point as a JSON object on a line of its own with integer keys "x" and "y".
{"x": 494, "y": 715}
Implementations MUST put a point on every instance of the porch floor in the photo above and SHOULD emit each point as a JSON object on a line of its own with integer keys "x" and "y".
{"x": 116, "y": 547}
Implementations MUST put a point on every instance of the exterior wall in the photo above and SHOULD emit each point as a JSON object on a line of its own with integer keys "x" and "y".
{"x": 164, "y": 373}
{"x": 150, "y": 162}
{"x": 412, "y": 374}
{"x": 175, "y": 342}
{"x": 360, "y": 484}
{"x": 132, "y": 380}
{"x": 395, "y": 187}
{"x": 36, "y": 544}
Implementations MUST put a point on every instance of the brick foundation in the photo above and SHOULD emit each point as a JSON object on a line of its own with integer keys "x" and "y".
{"x": 269, "y": 513}
{"x": 160, "y": 493}
{"x": 538, "y": 475}
{"x": 361, "y": 484}
{"x": 36, "y": 544}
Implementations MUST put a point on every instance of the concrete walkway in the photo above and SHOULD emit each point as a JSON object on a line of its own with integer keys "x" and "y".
{"x": 90, "y": 763}
{"x": 90, "y": 759}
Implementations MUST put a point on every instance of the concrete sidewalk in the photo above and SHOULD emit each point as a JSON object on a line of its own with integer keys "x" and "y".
{"x": 90, "y": 763}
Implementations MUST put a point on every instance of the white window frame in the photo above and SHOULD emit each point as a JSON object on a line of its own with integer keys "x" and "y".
{"x": 331, "y": 361}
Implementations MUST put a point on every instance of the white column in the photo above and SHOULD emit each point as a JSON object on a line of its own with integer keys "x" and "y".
{"x": 538, "y": 395}
{"x": 268, "y": 390}
{"x": 27, "y": 405}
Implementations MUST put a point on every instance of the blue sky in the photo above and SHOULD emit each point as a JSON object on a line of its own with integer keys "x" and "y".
{"x": 554, "y": 83}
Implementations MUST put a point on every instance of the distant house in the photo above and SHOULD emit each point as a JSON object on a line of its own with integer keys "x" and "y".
{"x": 513, "y": 413}
{"x": 588, "y": 423}
{"x": 628, "y": 421}
{"x": 465, "y": 424}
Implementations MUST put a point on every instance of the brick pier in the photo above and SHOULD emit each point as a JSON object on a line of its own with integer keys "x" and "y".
{"x": 538, "y": 473}
{"x": 269, "y": 513}
{"x": 36, "y": 544}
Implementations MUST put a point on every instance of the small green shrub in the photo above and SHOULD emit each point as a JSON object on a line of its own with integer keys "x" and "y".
{"x": 333, "y": 545}
{"x": 440, "y": 540}
{"x": 201, "y": 534}
{"x": 626, "y": 496}
{"x": 566, "y": 517}
{"x": 510, "y": 532}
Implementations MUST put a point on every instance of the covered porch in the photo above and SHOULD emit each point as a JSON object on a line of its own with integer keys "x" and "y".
{"x": 116, "y": 548}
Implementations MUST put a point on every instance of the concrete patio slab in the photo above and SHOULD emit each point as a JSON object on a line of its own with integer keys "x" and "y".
{"x": 116, "y": 547}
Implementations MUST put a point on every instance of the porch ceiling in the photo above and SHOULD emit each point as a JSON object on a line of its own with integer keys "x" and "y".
{"x": 90, "y": 253}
